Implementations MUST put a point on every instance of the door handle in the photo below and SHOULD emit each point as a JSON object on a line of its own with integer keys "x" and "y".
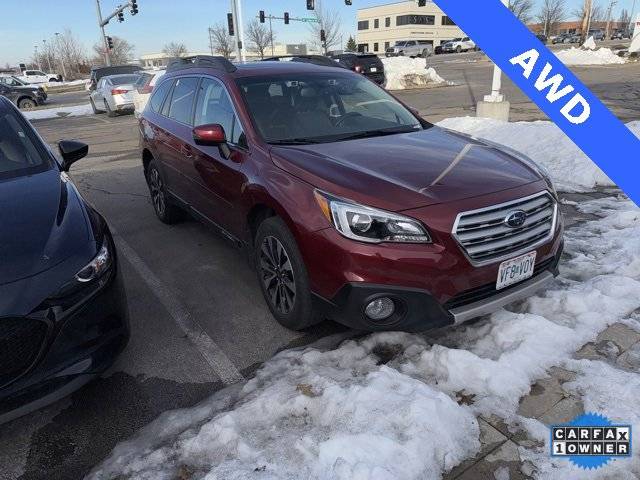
{"x": 186, "y": 151}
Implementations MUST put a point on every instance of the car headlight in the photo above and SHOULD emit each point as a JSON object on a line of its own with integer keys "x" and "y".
{"x": 368, "y": 224}
{"x": 96, "y": 267}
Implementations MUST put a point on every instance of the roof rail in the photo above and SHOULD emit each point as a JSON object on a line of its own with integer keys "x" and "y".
{"x": 320, "y": 60}
{"x": 201, "y": 61}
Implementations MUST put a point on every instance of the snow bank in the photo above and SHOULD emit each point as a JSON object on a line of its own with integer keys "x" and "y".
{"x": 66, "y": 84}
{"x": 73, "y": 111}
{"x": 396, "y": 405}
{"x": 590, "y": 44}
{"x": 579, "y": 56}
{"x": 545, "y": 143}
{"x": 405, "y": 72}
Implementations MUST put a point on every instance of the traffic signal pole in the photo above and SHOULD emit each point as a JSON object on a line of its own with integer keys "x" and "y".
{"x": 236, "y": 9}
{"x": 101, "y": 24}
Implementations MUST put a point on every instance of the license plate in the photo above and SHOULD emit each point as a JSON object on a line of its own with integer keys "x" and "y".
{"x": 374, "y": 69}
{"x": 516, "y": 270}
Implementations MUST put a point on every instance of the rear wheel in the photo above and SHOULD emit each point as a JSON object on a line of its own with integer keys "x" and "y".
{"x": 107, "y": 108}
{"x": 93, "y": 107}
{"x": 165, "y": 211}
{"x": 458, "y": 49}
{"x": 283, "y": 276}
{"x": 27, "y": 104}
{"x": 425, "y": 53}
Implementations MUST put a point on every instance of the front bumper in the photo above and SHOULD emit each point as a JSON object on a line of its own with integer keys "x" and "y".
{"x": 81, "y": 341}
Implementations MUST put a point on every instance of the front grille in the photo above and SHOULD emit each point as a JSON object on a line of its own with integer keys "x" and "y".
{"x": 489, "y": 290}
{"x": 485, "y": 237}
{"x": 21, "y": 340}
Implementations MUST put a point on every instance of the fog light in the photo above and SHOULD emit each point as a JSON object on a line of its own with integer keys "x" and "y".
{"x": 380, "y": 309}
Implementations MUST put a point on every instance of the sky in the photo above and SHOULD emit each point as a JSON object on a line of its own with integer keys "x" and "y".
{"x": 162, "y": 21}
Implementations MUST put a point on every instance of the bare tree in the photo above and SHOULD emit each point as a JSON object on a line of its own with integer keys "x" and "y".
{"x": 329, "y": 21}
{"x": 260, "y": 36}
{"x": 521, "y": 9}
{"x": 121, "y": 53}
{"x": 71, "y": 54}
{"x": 220, "y": 41}
{"x": 624, "y": 20}
{"x": 551, "y": 13}
{"x": 175, "y": 49}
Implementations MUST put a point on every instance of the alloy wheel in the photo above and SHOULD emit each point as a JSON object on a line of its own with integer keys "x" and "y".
{"x": 277, "y": 275}
{"x": 157, "y": 192}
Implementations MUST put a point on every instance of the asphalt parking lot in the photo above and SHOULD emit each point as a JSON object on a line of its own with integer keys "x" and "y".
{"x": 198, "y": 318}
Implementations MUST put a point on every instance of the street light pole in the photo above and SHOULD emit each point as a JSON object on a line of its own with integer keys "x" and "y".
{"x": 37, "y": 57}
{"x": 107, "y": 57}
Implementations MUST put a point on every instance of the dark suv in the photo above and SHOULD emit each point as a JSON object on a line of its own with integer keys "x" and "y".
{"x": 368, "y": 64}
{"x": 353, "y": 208}
{"x": 22, "y": 95}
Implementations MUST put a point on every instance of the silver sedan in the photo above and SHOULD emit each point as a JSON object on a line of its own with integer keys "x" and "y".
{"x": 114, "y": 94}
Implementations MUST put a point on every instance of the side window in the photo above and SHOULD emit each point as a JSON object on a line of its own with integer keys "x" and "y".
{"x": 160, "y": 93}
{"x": 214, "y": 106}
{"x": 182, "y": 99}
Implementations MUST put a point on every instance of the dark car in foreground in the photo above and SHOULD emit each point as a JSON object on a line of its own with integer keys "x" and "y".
{"x": 368, "y": 64}
{"x": 22, "y": 95}
{"x": 352, "y": 207}
{"x": 63, "y": 312}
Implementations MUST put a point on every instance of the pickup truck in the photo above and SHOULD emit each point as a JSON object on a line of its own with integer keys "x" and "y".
{"x": 38, "y": 76}
{"x": 411, "y": 48}
{"x": 459, "y": 45}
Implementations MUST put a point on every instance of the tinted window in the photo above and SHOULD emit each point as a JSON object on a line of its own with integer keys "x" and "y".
{"x": 18, "y": 152}
{"x": 182, "y": 99}
{"x": 143, "y": 79}
{"x": 214, "y": 106}
{"x": 159, "y": 94}
{"x": 124, "y": 80}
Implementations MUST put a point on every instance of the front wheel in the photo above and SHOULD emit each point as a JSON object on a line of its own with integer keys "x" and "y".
{"x": 27, "y": 104}
{"x": 283, "y": 276}
{"x": 458, "y": 49}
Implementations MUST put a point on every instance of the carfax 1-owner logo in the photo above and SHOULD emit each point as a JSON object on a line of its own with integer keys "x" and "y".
{"x": 590, "y": 441}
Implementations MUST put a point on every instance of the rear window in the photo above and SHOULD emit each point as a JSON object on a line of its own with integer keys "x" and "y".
{"x": 124, "y": 80}
{"x": 19, "y": 154}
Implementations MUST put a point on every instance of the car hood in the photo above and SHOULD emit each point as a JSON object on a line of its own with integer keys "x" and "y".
{"x": 27, "y": 88}
{"x": 44, "y": 222}
{"x": 404, "y": 171}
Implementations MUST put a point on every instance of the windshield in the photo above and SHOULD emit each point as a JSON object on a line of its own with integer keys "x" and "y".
{"x": 18, "y": 152}
{"x": 400, "y": 44}
{"x": 11, "y": 81}
{"x": 302, "y": 108}
{"x": 124, "y": 79}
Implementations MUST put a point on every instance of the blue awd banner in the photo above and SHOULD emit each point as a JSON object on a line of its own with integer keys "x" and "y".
{"x": 553, "y": 87}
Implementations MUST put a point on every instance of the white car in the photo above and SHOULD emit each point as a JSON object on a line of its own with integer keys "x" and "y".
{"x": 459, "y": 45}
{"x": 411, "y": 48}
{"x": 143, "y": 89}
{"x": 37, "y": 76}
{"x": 114, "y": 94}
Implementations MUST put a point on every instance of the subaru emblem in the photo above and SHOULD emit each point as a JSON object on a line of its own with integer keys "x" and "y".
{"x": 515, "y": 219}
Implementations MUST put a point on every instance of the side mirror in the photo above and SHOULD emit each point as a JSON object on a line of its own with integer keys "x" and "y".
{"x": 209, "y": 135}
{"x": 71, "y": 151}
{"x": 212, "y": 135}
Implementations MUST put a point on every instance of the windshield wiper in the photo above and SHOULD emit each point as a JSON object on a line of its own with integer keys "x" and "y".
{"x": 375, "y": 133}
{"x": 293, "y": 141}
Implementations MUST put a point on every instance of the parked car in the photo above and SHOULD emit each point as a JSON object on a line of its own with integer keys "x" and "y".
{"x": 459, "y": 45}
{"x": 349, "y": 203}
{"x": 22, "y": 95}
{"x": 542, "y": 38}
{"x": 368, "y": 64}
{"x": 114, "y": 95}
{"x": 620, "y": 34}
{"x": 438, "y": 49}
{"x": 143, "y": 88}
{"x": 63, "y": 311}
{"x": 411, "y": 48}
{"x": 559, "y": 38}
{"x": 98, "y": 72}
{"x": 573, "y": 38}
{"x": 38, "y": 76}
{"x": 597, "y": 35}
{"x": 320, "y": 60}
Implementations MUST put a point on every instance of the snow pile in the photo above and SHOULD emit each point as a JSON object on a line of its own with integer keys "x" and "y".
{"x": 72, "y": 111}
{"x": 543, "y": 142}
{"x": 405, "y": 72}
{"x": 66, "y": 84}
{"x": 579, "y": 56}
{"x": 590, "y": 44}
{"x": 396, "y": 405}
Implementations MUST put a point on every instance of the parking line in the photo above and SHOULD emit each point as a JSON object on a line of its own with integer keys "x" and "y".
{"x": 212, "y": 353}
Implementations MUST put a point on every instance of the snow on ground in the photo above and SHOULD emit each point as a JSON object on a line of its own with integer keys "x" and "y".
{"x": 65, "y": 84}
{"x": 545, "y": 143}
{"x": 580, "y": 56}
{"x": 405, "y": 72}
{"x": 397, "y": 405}
{"x": 72, "y": 111}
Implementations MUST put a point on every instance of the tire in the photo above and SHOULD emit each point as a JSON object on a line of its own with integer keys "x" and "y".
{"x": 110, "y": 113}
{"x": 282, "y": 275}
{"x": 27, "y": 104}
{"x": 458, "y": 49}
{"x": 165, "y": 211}
{"x": 93, "y": 107}
{"x": 425, "y": 53}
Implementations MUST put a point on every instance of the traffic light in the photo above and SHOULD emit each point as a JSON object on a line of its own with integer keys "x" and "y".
{"x": 261, "y": 16}
{"x": 311, "y": 4}
{"x": 422, "y": 3}
{"x": 120, "y": 16}
{"x": 134, "y": 7}
{"x": 286, "y": 18}
{"x": 348, "y": 2}
{"x": 110, "y": 43}
{"x": 323, "y": 36}
{"x": 230, "y": 23}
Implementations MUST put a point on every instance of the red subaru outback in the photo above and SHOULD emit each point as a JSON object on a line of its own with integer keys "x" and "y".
{"x": 354, "y": 208}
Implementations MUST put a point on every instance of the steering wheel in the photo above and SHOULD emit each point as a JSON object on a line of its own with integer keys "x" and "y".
{"x": 345, "y": 116}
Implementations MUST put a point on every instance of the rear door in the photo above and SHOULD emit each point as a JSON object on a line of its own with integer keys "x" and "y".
{"x": 219, "y": 180}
